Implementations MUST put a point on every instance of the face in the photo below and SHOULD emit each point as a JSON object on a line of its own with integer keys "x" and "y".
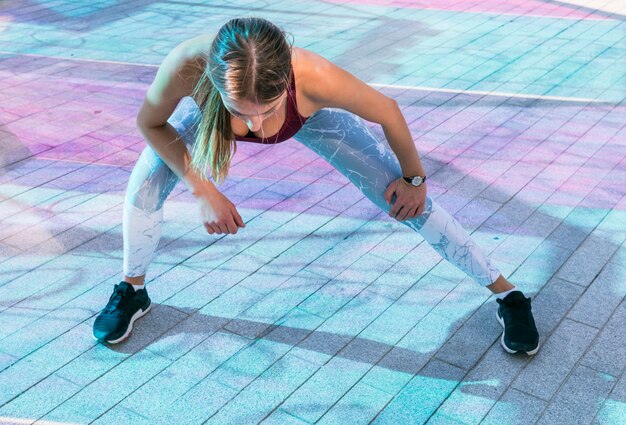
{"x": 252, "y": 113}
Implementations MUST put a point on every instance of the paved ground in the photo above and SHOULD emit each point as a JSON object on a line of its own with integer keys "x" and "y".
{"x": 323, "y": 309}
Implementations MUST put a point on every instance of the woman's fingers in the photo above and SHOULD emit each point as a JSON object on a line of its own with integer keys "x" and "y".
{"x": 214, "y": 227}
{"x": 408, "y": 213}
{"x": 420, "y": 209}
{"x": 224, "y": 228}
{"x": 396, "y": 209}
{"x": 414, "y": 212}
{"x": 238, "y": 220}
{"x": 391, "y": 188}
{"x": 231, "y": 226}
{"x": 404, "y": 213}
{"x": 210, "y": 228}
{"x": 227, "y": 227}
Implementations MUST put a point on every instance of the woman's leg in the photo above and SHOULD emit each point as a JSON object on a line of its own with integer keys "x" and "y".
{"x": 347, "y": 144}
{"x": 344, "y": 140}
{"x": 149, "y": 185}
{"x": 151, "y": 181}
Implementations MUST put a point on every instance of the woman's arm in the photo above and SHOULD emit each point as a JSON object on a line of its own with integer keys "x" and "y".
{"x": 174, "y": 80}
{"x": 330, "y": 86}
{"x": 327, "y": 85}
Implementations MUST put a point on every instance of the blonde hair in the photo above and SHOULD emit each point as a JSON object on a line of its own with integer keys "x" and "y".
{"x": 249, "y": 60}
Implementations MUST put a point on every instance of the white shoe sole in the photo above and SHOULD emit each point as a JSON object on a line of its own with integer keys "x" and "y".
{"x": 136, "y": 316}
{"x": 507, "y": 349}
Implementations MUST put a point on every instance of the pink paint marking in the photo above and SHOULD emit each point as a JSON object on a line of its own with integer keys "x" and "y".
{"x": 535, "y": 8}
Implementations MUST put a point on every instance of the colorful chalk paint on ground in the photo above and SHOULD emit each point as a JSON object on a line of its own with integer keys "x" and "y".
{"x": 324, "y": 310}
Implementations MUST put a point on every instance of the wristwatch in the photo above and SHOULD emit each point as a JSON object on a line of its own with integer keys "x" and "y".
{"x": 415, "y": 180}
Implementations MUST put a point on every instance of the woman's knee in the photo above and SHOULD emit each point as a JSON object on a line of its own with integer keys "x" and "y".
{"x": 150, "y": 182}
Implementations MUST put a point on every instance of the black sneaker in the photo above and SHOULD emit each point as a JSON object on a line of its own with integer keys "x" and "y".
{"x": 520, "y": 333}
{"x": 115, "y": 321}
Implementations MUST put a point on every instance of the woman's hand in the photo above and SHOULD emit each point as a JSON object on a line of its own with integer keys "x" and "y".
{"x": 410, "y": 200}
{"x": 217, "y": 212}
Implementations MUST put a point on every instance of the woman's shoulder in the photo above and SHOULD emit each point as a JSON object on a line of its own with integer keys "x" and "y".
{"x": 197, "y": 47}
{"x": 314, "y": 73}
{"x": 309, "y": 68}
{"x": 306, "y": 63}
{"x": 187, "y": 60}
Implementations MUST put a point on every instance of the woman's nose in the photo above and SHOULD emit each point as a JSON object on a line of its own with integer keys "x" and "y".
{"x": 254, "y": 124}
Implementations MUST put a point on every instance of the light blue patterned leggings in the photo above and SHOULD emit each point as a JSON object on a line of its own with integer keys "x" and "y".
{"x": 343, "y": 140}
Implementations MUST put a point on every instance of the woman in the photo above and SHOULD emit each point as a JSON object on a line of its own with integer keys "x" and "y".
{"x": 251, "y": 85}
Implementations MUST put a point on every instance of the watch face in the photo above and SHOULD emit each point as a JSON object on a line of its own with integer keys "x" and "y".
{"x": 417, "y": 180}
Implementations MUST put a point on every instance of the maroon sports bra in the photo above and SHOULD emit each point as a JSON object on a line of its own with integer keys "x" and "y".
{"x": 293, "y": 121}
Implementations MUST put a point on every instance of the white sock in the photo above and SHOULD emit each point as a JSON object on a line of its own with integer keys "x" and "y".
{"x": 501, "y": 295}
{"x": 136, "y": 287}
